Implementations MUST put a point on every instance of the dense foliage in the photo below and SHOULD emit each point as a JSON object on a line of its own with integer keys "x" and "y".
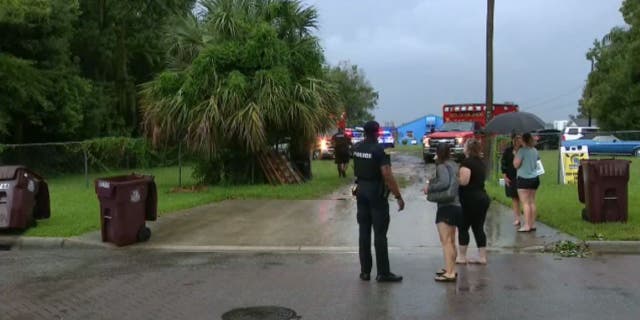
{"x": 229, "y": 78}
{"x": 612, "y": 94}
{"x": 69, "y": 68}
{"x": 41, "y": 93}
{"x": 247, "y": 75}
{"x": 354, "y": 92}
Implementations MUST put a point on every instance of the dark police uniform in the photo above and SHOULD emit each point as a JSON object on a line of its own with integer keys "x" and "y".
{"x": 373, "y": 206}
{"x": 341, "y": 147}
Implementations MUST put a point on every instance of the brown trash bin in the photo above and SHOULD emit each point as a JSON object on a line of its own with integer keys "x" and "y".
{"x": 24, "y": 197}
{"x": 125, "y": 203}
{"x": 605, "y": 189}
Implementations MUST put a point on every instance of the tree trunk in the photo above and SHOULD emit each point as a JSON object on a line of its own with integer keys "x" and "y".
{"x": 126, "y": 104}
{"x": 489, "y": 93}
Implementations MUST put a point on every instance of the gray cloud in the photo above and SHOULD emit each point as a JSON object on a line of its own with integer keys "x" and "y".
{"x": 422, "y": 54}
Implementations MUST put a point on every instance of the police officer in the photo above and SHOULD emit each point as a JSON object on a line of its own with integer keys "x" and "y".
{"x": 374, "y": 182}
{"x": 341, "y": 143}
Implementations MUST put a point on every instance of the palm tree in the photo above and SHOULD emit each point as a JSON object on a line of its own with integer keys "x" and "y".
{"x": 247, "y": 74}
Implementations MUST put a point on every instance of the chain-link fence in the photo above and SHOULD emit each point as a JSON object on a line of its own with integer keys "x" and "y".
{"x": 105, "y": 156}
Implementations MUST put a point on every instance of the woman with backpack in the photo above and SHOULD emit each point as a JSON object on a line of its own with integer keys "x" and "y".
{"x": 443, "y": 190}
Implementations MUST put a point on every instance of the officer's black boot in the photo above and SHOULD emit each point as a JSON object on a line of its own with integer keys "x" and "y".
{"x": 390, "y": 277}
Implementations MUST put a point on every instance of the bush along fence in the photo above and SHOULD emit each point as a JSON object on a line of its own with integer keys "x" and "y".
{"x": 101, "y": 155}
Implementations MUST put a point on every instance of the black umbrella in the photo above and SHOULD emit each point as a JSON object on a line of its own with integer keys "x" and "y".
{"x": 519, "y": 122}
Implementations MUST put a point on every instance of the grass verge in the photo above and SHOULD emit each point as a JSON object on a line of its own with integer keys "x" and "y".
{"x": 558, "y": 205}
{"x": 413, "y": 150}
{"x": 75, "y": 209}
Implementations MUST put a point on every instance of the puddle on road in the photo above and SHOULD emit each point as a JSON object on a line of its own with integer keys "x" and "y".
{"x": 263, "y": 313}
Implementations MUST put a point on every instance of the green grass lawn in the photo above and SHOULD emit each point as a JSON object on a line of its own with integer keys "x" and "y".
{"x": 74, "y": 207}
{"x": 415, "y": 150}
{"x": 558, "y": 205}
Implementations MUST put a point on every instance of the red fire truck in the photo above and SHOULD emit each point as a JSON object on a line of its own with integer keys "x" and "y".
{"x": 461, "y": 122}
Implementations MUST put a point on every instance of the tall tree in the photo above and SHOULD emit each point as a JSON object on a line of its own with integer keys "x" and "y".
{"x": 254, "y": 78}
{"x": 354, "y": 92}
{"x": 121, "y": 44}
{"x": 612, "y": 93}
{"x": 41, "y": 94}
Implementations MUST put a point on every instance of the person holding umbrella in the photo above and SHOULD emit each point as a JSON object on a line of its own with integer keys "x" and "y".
{"x": 525, "y": 161}
{"x": 509, "y": 174}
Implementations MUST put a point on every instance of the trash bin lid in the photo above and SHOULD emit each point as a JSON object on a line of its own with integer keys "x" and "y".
{"x": 9, "y": 172}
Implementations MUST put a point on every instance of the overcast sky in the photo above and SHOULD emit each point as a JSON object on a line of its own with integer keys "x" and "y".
{"x": 421, "y": 54}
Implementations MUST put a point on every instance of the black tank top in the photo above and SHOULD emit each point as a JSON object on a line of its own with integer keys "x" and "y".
{"x": 478, "y": 176}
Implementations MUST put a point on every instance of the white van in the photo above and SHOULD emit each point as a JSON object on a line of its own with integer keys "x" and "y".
{"x": 575, "y": 133}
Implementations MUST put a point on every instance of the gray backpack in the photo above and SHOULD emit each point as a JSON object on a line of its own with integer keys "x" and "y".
{"x": 447, "y": 195}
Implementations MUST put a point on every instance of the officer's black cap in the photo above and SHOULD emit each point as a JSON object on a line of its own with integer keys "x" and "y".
{"x": 371, "y": 128}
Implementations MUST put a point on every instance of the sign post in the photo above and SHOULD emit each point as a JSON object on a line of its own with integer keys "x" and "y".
{"x": 570, "y": 161}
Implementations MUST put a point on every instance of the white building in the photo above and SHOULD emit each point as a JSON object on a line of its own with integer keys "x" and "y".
{"x": 560, "y": 124}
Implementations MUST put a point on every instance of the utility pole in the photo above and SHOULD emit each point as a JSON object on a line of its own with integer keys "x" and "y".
{"x": 489, "y": 71}
{"x": 588, "y": 109}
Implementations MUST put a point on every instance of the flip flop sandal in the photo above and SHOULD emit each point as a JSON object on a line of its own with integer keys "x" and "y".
{"x": 443, "y": 278}
{"x": 524, "y": 230}
{"x": 477, "y": 262}
{"x": 462, "y": 262}
{"x": 533, "y": 229}
{"x": 441, "y": 272}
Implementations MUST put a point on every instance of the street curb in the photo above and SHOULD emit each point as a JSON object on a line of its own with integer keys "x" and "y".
{"x": 20, "y": 243}
{"x": 25, "y": 243}
{"x": 624, "y": 247}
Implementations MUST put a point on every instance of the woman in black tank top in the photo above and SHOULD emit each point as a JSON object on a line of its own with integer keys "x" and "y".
{"x": 474, "y": 201}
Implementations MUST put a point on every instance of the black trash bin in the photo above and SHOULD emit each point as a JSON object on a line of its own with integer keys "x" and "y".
{"x": 24, "y": 197}
{"x": 126, "y": 202}
{"x": 604, "y": 189}
{"x": 581, "y": 183}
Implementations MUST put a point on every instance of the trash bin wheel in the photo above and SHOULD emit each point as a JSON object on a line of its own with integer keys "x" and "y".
{"x": 144, "y": 234}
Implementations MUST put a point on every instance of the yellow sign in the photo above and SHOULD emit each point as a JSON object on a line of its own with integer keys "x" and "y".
{"x": 570, "y": 158}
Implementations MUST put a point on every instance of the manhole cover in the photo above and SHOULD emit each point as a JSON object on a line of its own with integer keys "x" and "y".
{"x": 261, "y": 313}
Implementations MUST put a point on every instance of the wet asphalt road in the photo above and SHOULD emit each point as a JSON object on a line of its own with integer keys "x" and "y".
{"x": 155, "y": 285}
{"x": 151, "y": 284}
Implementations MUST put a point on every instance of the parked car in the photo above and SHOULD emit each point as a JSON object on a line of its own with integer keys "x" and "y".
{"x": 356, "y": 134}
{"x": 409, "y": 140}
{"x": 547, "y": 139}
{"x": 574, "y": 133}
{"x": 324, "y": 148}
{"x": 607, "y": 145}
{"x": 386, "y": 139}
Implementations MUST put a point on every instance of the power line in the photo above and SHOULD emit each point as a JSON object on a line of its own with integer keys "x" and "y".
{"x": 554, "y": 98}
{"x": 555, "y": 106}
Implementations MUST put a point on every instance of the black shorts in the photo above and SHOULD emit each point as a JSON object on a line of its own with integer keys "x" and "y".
{"x": 342, "y": 157}
{"x": 528, "y": 183}
{"x": 511, "y": 190}
{"x": 451, "y": 215}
